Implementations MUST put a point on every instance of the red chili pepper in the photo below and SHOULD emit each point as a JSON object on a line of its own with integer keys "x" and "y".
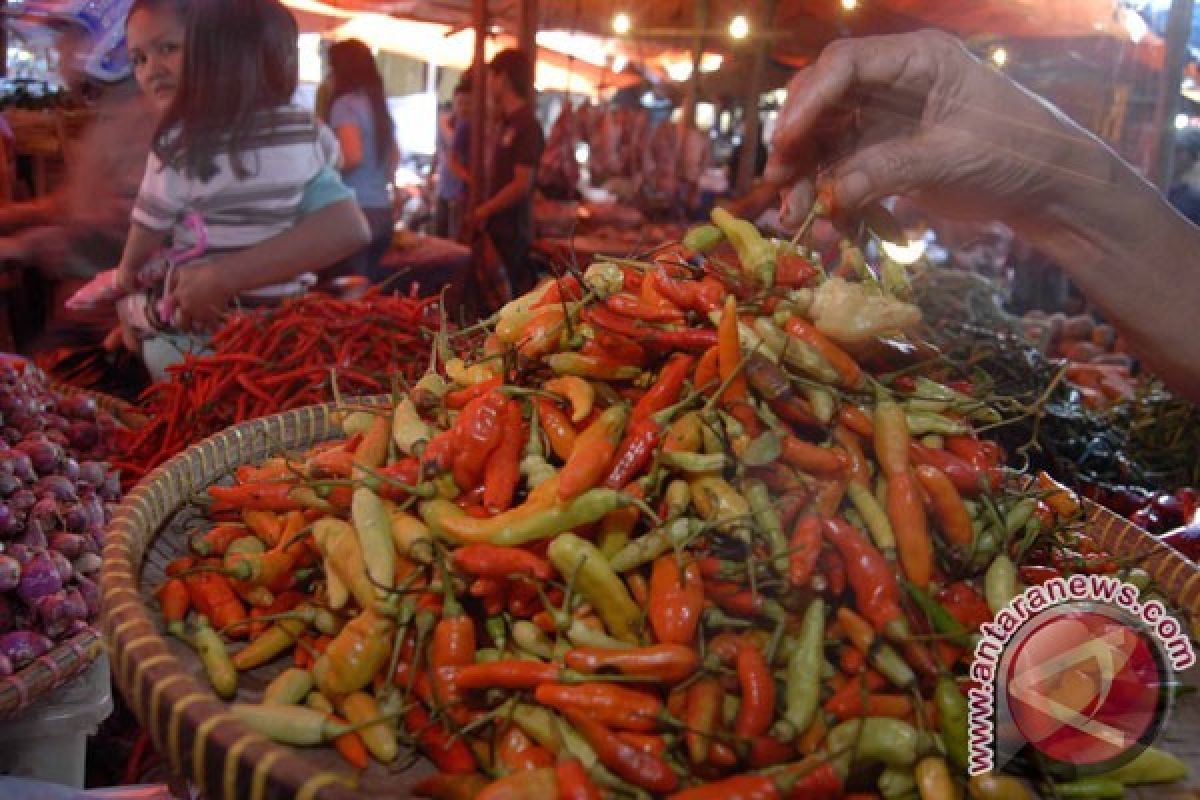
{"x": 703, "y": 705}
{"x": 757, "y": 709}
{"x": 609, "y": 704}
{"x": 503, "y": 469}
{"x": 666, "y": 389}
{"x": 459, "y": 398}
{"x": 574, "y": 782}
{"x": 793, "y": 271}
{"x": 631, "y": 306}
{"x": 871, "y": 576}
{"x": 965, "y": 604}
{"x": 557, "y": 425}
{"x": 639, "y": 768}
{"x": 448, "y": 752}
{"x": 676, "y": 599}
{"x": 495, "y": 561}
{"x": 173, "y": 598}
{"x": 619, "y": 347}
{"x": 507, "y": 674}
{"x": 804, "y": 547}
{"x": 669, "y": 663}
{"x": 276, "y": 496}
{"x": 518, "y": 753}
{"x": 479, "y": 433}
{"x": 767, "y": 751}
{"x": 968, "y": 479}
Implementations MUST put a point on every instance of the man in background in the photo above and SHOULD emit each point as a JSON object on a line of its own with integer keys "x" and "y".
{"x": 506, "y": 216}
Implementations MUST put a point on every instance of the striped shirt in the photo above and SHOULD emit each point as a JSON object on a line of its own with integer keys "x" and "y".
{"x": 287, "y": 151}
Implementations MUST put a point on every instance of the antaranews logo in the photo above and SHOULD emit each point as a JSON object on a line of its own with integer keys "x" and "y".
{"x": 1078, "y": 669}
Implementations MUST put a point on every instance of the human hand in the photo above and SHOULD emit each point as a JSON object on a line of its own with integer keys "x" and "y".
{"x": 201, "y": 295}
{"x": 917, "y": 114}
{"x": 126, "y": 278}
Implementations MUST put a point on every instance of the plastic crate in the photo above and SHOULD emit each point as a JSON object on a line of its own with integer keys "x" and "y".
{"x": 48, "y": 742}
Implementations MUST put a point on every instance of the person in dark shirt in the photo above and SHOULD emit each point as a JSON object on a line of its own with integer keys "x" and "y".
{"x": 507, "y": 213}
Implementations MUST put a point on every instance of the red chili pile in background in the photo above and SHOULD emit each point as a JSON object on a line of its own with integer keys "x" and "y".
{"x": 267, "y": 361}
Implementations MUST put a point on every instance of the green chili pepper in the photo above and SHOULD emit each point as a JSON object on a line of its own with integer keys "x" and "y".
{"x": 289, "y": 687}
{"x": 702, "y": 238}
{"x": 410, "y": 433}
{"x": 290, "y": 724}
{"x": 1089, "y": 789}
{"x": 882, "y": 740}
{"x": 942, "y": 621}
{"x": 896, "y": 782}
{"x": 803, "y": 685}
{"x": 766, "y": 514}
{"x": 873, "y": 516}
{"x": 217, "y": 663}
{"x": 756, "y": 254}
{"x": 531, "y": 639}
{"x": 923, "y": 422}
{"x": 597, "y": 583}
{"x": 583, "y": 635}
{"x": 694, "y": 462}
{"x": 951, "y": 706}
{"x": 1149, "y": 766}
{"x": 653, "y": 544}
{"x": 1000, "y": 582}
{"x": 1019, "y": 514}
{"x": 246, "y": 545}
{"x": 374, "y": 528}
{"x": 526, "y": 523}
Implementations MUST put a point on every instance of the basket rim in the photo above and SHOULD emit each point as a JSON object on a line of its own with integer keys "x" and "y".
{"x": 226, "y": 758}
{"x": 43, "y": 675}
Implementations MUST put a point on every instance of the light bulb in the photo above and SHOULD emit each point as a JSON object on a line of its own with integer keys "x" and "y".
{"x": 621, "y": 23}
{"x": 739, "y": 28}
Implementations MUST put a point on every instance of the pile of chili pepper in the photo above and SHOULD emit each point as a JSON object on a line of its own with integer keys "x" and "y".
{"x": 672, "y": 529}
{"x": 270, "y": 360}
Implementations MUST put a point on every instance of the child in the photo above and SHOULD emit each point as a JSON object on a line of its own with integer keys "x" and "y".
{"x": 229, "y": 147}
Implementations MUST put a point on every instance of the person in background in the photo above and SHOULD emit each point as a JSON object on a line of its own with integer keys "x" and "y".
{"x": 918, "y": 114}
{"x": 453, "y": 153}
{"x": 228, "y": 148}
{"x": 359, "y": 115}
{"x": 506, "y": 215}
{"x": 1184, "y": 193}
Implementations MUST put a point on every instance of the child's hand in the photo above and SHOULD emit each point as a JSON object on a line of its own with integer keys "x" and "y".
{"x": 201, "y": 296}
{"x": 126, "y": 278}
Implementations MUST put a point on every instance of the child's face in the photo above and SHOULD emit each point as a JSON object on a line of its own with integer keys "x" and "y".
{"x": 155, "y": 40}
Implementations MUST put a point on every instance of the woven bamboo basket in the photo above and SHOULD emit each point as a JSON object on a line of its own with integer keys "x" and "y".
{"x": 164, "y": 683}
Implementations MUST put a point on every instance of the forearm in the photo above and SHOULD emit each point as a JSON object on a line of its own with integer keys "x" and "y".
{"x": 316, "y": 242}
{"x": 1135, "y": 258}
{"x": 513, "y": 193}
{"x": 141, "y": 243}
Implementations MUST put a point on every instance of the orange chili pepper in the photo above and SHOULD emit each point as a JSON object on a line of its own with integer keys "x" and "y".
{"x": 907, "y": 515}
{"x": 669, "y": 663}
{"x": 350, "y": 746}
{"x": 593, "y": 453}
{"x": 503, "y": 469}
{"x": 891, "y": 438}
{"x": 608, "y": 704}
{"x": 948, "y": 507}
{"x": 559, "y": 430}
{"x": 842, "y": 362}
{"x": 729, "y": 350}
{"x": 704, "y": 700}
{"x": 642, "y": 769}
{"x": 173, "y": 597}
{"x": 804, "y": 547}
{"x": 812, "y": 458}
{"x": 676, "y": 599}
{"x": 857, "y": 470}
{"x": 707, "y": 376}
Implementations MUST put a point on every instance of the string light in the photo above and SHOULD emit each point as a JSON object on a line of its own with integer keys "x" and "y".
{"x": 999, "y": 56}
{"x": 621, "y": 23}
{"x": 739, "y": 28}
{"x": 849, "y": 5}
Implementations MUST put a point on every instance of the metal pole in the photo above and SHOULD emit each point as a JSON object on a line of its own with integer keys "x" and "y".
{"x": 752, "y": 122}
{"x": 1179, "y": 26}
{"x": 478, "y": 105}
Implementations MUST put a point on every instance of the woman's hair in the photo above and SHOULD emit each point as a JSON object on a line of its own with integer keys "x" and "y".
{"x": 178, "y": 7}
{"x": 239, "y": 60}
{"x": 352, "y": 68}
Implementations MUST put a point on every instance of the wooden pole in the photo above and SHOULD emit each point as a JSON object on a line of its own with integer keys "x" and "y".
{"x": 688, "y": 110}
{"x": 527, "y": 26}
{"x": 1179, "y": 26}
{"x": 752, "y": 122}
{"x": 478, "y": 105}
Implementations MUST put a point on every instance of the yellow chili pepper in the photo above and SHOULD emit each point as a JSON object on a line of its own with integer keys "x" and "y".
{"x": 380, "y": 738}
{"x": 338, "y": 543}
{"x": 355, "y": 655}
{"x": 597, "y": 583}
{"x": 374, "y": 529}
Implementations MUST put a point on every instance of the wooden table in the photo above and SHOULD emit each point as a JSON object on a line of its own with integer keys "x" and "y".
{"x": 431, "y": 264}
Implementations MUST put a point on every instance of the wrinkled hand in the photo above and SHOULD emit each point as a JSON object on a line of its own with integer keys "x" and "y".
{"x": 201, "y": 296}
{"x": 918, "y": 114}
